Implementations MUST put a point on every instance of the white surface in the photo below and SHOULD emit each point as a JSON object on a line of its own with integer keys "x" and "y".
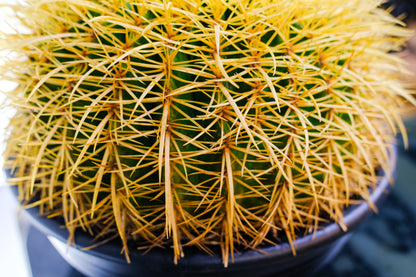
{"x": 13, "y": 261}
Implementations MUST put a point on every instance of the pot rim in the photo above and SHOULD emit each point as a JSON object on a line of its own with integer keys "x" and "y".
{"x": 353, "y": 215}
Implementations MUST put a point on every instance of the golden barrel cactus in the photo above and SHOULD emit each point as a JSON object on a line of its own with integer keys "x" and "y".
{"x": 201, "y": 122}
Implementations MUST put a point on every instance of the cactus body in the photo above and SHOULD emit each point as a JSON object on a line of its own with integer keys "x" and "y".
{"x": 203, "y": 122}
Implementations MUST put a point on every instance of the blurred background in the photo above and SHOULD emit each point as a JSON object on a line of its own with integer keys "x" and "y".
{"x": 385, "y": 246}
{"x": 13, "y": 258}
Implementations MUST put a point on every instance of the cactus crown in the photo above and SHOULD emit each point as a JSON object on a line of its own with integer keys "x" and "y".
{"x": 201, "y": 122}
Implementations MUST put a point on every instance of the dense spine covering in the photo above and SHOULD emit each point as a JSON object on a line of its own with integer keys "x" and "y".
{"x": 201, "y": 122}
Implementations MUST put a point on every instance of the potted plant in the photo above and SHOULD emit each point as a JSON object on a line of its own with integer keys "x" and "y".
{"x": 188, "y": 128}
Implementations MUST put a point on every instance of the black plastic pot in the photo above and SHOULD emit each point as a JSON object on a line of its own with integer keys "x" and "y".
{"x": 313, "y": 251}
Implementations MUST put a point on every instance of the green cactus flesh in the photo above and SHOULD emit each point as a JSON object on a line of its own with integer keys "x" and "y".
{"x": 203, "y": 122}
